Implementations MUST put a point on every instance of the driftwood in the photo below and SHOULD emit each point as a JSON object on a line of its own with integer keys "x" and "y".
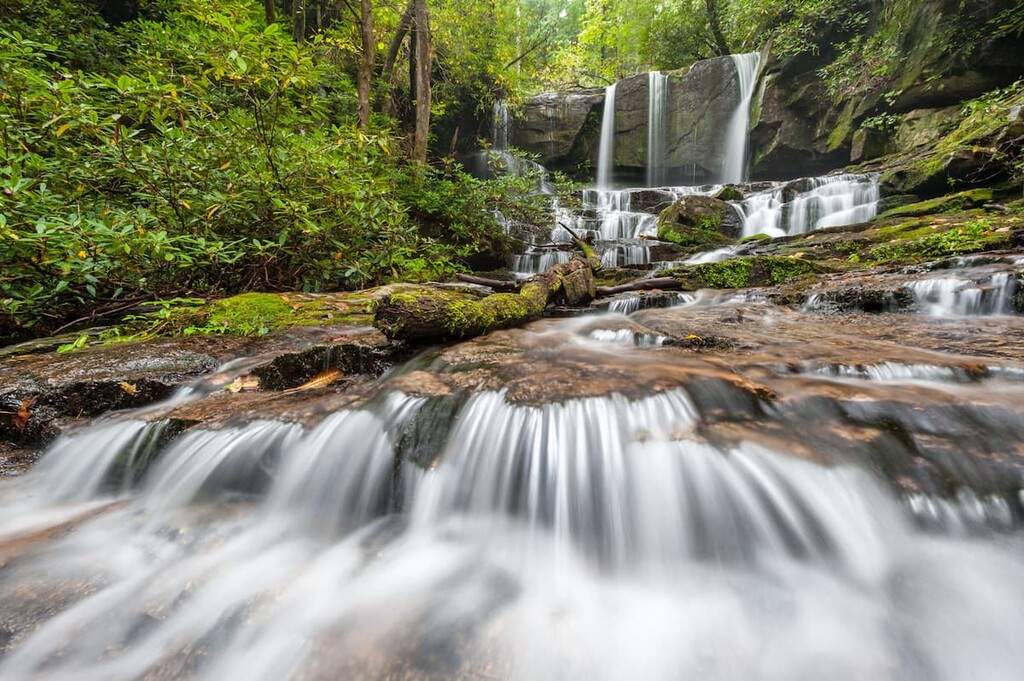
{"x": 664, "y": 283}
{"x": 429, "y": 313}
{"x": 496, "y": 284}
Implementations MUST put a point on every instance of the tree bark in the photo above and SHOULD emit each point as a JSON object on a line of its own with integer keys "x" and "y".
{"x": 269, "y": 11}
{"x": 365, "y": 73}
{"x": 715, "y": 24}
{"x": 404, "y": 24}
{"x": 430, "y": 313}
{"x": 664, "y": 283}
{"x": 299, "y": 21}
{"x": 424, "y": 57}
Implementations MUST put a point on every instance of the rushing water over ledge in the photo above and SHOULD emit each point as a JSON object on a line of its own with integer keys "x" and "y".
{"x": 598, "y": 536}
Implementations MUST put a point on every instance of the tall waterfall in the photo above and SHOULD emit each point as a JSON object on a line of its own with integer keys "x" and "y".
{"x": 606, "y": 150}
{"x": 735, "y": 157}
{"x": 657, "y": 94}
{"x": 499, "y": 125}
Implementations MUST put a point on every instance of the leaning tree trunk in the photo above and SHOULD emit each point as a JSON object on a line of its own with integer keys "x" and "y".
{"x": 714, "y": 20}
{"x": 424, "y": 57}
{"x": 387, "y": 104}
{"x": 365, "y": 72}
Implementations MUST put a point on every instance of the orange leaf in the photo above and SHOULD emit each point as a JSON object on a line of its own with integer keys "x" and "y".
{"x": 324, "y": 378}
{"x": 21, "y": 417}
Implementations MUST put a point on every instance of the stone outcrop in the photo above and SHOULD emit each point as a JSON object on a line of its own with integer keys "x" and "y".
{"x": 564, "y": 128}
{"x": 699, "y": 222}
{"x": 561, "y": 127}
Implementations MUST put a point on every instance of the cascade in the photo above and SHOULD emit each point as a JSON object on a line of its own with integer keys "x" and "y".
{"x": 964, "y": 297}
{"x": 828, "y": 201}
{"x": 657, "y": 94}
{"x": 590, "y": 538}
{"x": 735, "y": 152}
{"x": 606, "y": 148}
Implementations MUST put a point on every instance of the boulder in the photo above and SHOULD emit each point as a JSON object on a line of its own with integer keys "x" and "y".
{"x": 699, "y": 103}
{"x": 561, "y": 128}
{"x": 924, "y": 127}
{"x": 699, "y": 222}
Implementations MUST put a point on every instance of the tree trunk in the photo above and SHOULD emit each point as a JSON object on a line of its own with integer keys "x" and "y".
{"x": 430, "y": 313}
{"x": 716, "y": 28}
{"x": 368, "y": 56}
{"x": 404, "y": 24}
{"x": 269, "y": 11}
{"x": 424, "y": 57}
{"x": 299, "y": 20}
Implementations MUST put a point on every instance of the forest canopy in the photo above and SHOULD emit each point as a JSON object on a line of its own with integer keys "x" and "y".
{"x": 162, "y": 148}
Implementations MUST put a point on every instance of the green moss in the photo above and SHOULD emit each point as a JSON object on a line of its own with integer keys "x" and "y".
{"x": 755, "y": 237}
{"x": 762, "y": 270}
{"x": 694, "y": 222}
{"x": 944, "y": 204}
{"x": 248, "y": 314}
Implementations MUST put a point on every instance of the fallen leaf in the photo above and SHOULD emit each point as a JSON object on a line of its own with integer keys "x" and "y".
{"x": 128, "y": 387}
{"x": 243, "y": 383}
{"x": 21, "y": 417}
{"x": 324, "y": 378}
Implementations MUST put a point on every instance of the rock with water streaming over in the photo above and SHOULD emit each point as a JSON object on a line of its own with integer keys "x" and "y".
{"x": 569, "y": 495}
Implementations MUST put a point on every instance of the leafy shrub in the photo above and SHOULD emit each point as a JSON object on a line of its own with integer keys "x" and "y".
{"x": 217, "y": 156}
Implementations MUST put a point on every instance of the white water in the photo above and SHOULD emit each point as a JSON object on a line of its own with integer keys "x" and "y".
{"x": 593, "y": 538}
{"x": 597, "y": 538}
{"x": 830, "y": 201}
{"x": 962, "y": 297}
{"x": 606, "y": 148}
{"x": 536, "y": 262}
{"x": 734, "y": 165}
{"x": 657, "y": 101}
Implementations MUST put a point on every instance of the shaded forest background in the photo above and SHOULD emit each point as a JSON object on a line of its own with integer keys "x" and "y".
{"x": 164, "y": 148}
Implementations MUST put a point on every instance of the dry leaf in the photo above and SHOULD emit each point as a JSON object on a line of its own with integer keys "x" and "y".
{"x": 128, "y": 387}
{"x": 21, "y": 417}
{"x": 324, "y": 378}
{"x": 243, "y": 383}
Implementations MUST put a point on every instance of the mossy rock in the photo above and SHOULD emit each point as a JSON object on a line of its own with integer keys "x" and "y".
{"x": 973, "y": 198}
{"x": 729, "y": 193}
{"x": 699, "y": 222}
{"x": 255, "y": 314}
{"x": 750, "y": 272}
{"x": 755, "y": 237}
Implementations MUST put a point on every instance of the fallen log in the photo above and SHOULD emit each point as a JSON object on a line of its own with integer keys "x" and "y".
{"x": 664, "y": 283}
{"x": 496, "y": 284}
{"x": 431, "y": 313}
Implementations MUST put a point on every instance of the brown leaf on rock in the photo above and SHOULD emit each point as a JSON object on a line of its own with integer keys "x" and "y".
{"x": 21, "y": 417}
{"x": 323, "y": 379}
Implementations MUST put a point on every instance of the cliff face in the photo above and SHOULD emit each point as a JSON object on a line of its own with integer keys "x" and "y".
{"x": 896, "y": 89}
{"x": 563, "y": 129}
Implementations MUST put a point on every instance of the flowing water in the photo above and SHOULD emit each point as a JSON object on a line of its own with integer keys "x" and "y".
{"x": 592, "y": 537}
{"x": 606, "y": 148}
{"x": 657, "y": 130}
{"x": 734, "y": 165}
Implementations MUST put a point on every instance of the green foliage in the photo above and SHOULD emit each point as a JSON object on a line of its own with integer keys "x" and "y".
{"x": 215, "y": 156}
{"x": 974, "y": 235}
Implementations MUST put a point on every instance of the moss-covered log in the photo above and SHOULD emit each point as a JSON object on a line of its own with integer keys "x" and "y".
{"x": 444, "y": 313}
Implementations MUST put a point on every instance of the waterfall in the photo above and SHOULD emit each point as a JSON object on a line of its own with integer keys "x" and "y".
{"x": 657, "y": 92}
{"x": 606, "y": 150}
{"x": 499, "y": 126}
{"x": 828, "y": 201}
{"x": 735, "y": 153}
{"x": 962, "y": 297}
{"x": 598, "y": 536}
